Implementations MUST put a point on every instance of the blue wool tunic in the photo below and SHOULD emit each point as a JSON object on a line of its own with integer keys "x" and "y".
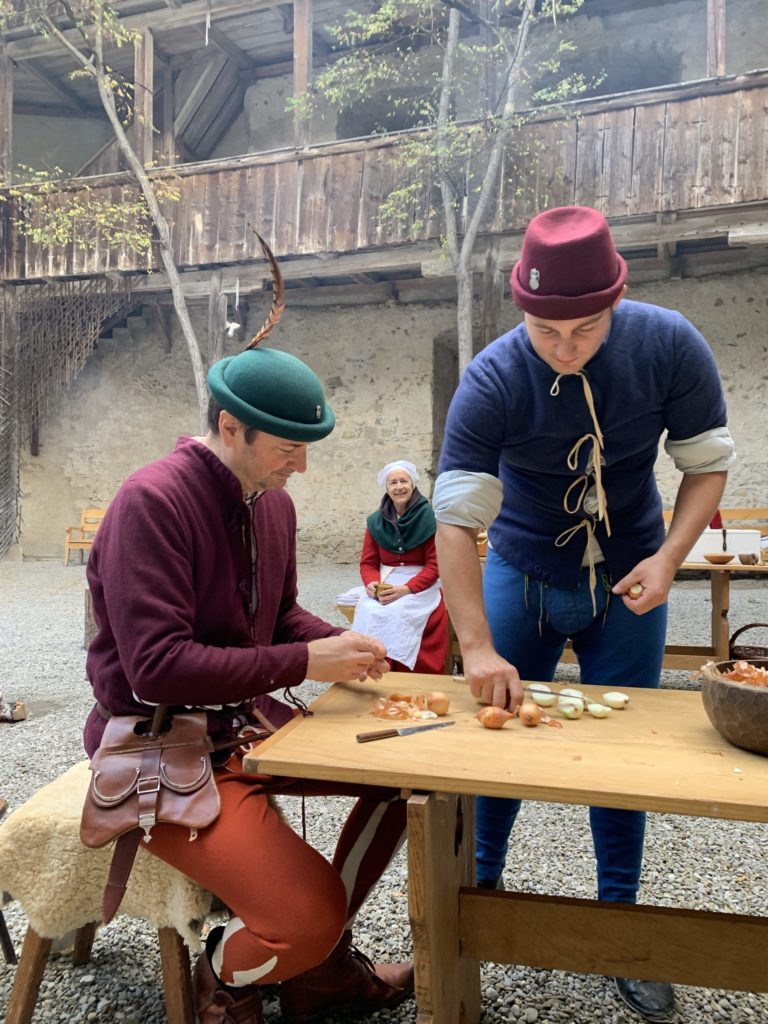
{"x": 654, "y": 372}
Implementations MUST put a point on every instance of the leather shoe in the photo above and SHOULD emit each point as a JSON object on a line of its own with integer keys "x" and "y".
{"x": 491, "y": 883}
{"x": 654, "y": 1000}
{"x": 346, "y": 981}
{"x": 215, "y": 1003}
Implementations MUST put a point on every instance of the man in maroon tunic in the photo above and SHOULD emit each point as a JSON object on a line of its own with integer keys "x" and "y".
{"x": 193, "y": 582}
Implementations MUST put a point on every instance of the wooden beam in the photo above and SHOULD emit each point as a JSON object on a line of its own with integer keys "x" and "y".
{"x": 319, "y": 45}
{"x": 68, "y": 96}
{"x": 168, "y": 137}
{"x": 6, "y": 116}
{"x": 22, "y": 108}
{"x": 286, "y": 15}
{"x": 252, "y": 276}
{"x": 342, "y": 295}
{"x": 162, "y": 323}
{"x": 692, "y": 947}
{"x": 752, "y": 234}
{"x": 222, "y": 42}
{"x": 715, "y": 38}
{"x": 302, "y": 65}
{"x": 143, "y": 96}
{"x": 188, "y": 15}
{"x": 217, "y": 318}
{"x": 197, "y": 94}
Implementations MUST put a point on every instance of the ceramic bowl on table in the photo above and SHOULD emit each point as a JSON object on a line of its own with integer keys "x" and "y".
{"x": 719, "y": 559}
{"x": 749, "y": 559}
{"x": 738, "y": 711}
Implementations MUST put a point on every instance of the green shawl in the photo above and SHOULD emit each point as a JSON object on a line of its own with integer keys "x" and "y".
{"x": 415, "y": 526}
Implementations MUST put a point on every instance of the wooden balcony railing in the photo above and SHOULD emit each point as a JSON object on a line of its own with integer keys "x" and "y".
{"x": 690, "y": 148}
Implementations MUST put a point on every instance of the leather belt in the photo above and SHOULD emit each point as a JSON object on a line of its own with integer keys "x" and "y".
{"x": 106, "y": 715}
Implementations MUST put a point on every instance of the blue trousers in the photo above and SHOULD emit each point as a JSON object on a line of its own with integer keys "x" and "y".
{"x": 530, "y": 622}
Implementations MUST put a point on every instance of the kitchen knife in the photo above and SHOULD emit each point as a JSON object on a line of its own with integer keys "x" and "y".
{"x": 382, "y": 734}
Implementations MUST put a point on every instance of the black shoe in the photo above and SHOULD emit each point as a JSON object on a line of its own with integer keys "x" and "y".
{"x": 491, "y": 883}
{"x": 654, "y": 1000}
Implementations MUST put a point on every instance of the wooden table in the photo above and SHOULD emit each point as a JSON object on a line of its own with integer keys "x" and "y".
{"x": 660, "y": 754}
{"x": 692, "y": 657}
{"x": 688, "y": 656}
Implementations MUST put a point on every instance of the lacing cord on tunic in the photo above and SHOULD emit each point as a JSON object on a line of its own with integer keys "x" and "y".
{"x": 582, "y": 483}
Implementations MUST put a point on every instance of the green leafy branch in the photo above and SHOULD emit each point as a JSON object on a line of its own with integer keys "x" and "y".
{"x": 85, "y": 218}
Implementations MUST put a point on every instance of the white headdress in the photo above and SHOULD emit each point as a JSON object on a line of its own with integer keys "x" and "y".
{"x": 408, "y": 467}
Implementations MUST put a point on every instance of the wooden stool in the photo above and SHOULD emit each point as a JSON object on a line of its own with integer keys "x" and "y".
{"x": 59, "y": 883}
{"x": 174, "y": 955}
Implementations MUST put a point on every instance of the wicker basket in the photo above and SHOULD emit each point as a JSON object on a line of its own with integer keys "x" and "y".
{"x": 743, "y": 652}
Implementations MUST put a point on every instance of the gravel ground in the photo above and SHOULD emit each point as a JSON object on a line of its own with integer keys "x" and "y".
{"x": 692, "y": 862}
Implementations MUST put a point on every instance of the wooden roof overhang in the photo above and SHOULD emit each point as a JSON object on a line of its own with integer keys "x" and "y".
{"x": 681, "y": 173}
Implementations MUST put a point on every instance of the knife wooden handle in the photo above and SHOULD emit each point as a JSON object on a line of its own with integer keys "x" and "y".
{"x": 363, "y": 737}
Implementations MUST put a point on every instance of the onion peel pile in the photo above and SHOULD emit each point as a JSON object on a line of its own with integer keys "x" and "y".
{"x": 404, "y": 706}
{"x": 742, "y": 672}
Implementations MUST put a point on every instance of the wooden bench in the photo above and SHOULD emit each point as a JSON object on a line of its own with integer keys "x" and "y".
{"x": 737, "y": 519}
{"x": 80, "y": 538}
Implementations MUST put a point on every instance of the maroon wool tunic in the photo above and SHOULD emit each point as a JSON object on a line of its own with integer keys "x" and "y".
{"x": 434, "y": 641}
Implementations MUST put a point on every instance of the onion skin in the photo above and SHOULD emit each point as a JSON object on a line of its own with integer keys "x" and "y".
{"x": 530, "y": 713}
{"x": 438, "y": 702}
{"x": 493, "y": 718}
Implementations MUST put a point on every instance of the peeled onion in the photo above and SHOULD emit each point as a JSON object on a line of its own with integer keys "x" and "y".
{"x": 438, "y": 702}
{"x": 598, "y": 710}
{"x": 572, "y": 694}
{"x": 542, "y": 694}
{"x": 615, "y": 699}
{"x": 571, "y": 709}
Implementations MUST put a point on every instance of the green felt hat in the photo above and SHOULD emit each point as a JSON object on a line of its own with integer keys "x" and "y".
{"x": 272, "y": 391}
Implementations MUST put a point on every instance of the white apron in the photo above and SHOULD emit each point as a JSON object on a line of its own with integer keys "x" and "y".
{"x": 399, "y": 625}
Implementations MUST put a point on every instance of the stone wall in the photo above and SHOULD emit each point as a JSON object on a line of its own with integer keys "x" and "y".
{"x": 132, "y": 400}
{"x": 387, "y": 372}
{"x": 632, "y": 49}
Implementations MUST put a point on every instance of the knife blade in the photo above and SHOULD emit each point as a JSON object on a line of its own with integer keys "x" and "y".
{"x": 382, "y": 734}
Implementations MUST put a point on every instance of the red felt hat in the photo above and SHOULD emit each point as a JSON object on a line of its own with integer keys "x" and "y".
{"x": 569, "y": 266}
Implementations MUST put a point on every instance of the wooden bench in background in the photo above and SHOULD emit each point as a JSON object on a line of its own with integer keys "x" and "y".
{"x": 80, "y": 538}
{"x": 737, "y": 519}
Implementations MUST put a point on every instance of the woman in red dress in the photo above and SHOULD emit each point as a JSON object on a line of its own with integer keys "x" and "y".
{"x": 404, "y": 605}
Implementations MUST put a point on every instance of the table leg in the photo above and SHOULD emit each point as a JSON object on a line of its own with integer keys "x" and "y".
{"x": 440, "y": 860}
{"x": 720, "y": 584}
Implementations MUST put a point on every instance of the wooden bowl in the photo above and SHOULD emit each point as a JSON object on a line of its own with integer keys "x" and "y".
{"x": 739, "y": 712}
{"x": 719, "y": 559}
{"x": 749, "y": 559}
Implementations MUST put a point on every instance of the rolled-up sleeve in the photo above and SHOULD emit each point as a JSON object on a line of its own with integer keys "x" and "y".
{"x": 712, "y": 451}
{"x": 461, "y": 498}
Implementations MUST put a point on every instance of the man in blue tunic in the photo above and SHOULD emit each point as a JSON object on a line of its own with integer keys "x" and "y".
{"x": 550, "y": 444}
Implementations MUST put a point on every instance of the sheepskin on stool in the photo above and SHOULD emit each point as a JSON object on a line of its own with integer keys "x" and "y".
{"x": 59, "y": 884}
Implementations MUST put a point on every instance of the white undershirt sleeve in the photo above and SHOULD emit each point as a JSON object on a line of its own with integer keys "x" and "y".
{"x": 710, "y": 452}
{"x": 461, "y": 498}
